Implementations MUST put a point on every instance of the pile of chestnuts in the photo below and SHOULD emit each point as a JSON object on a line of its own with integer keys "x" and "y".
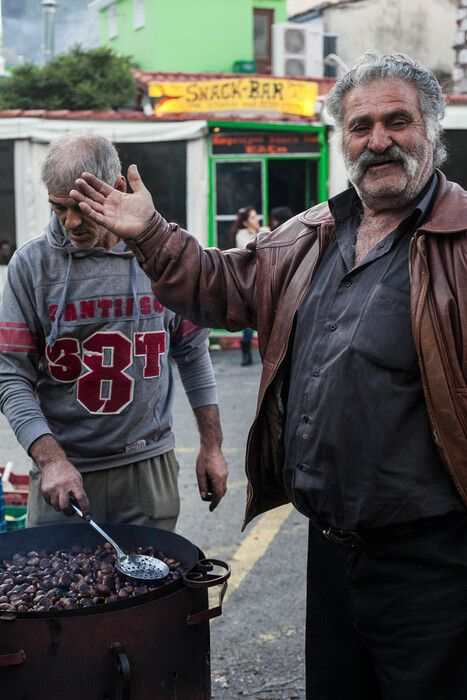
{"x": 78, "y": 577}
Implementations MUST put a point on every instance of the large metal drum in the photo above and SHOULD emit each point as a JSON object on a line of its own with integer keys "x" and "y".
{"x": 154, "y": 646}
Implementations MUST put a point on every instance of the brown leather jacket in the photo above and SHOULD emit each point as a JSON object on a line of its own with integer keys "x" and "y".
{"x": 262, "y": 287}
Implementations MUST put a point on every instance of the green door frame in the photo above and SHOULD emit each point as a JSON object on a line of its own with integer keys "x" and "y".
{"x": 321, "y": 157}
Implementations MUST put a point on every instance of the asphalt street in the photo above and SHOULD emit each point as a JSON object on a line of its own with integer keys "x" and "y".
{"x": 257, "y": 644}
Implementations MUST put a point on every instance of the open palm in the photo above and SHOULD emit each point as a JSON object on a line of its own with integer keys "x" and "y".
{"x": 127, "y": 214}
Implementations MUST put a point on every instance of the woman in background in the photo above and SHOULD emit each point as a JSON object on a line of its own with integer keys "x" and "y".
{"x": 244, "y": 229}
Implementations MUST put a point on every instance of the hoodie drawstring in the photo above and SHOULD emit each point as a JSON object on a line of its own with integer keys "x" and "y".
{"x": 61, "y": 304}
{"x": 134, "y": 289}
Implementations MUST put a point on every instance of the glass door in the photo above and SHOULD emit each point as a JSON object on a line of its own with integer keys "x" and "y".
{"x": 237, "y": 184}
{"x": 293, "y": 183}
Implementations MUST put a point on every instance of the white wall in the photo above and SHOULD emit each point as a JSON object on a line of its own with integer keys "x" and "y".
{"x": 32, "y": 208}
{"x": 423, "y": 29}
{"x": 31, "y": 136}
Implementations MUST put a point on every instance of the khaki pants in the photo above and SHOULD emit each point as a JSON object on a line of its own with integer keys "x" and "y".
{"x": 144, "y": 493}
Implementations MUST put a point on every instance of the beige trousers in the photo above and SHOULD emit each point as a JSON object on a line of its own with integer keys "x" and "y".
{"x": 143, "y": 493}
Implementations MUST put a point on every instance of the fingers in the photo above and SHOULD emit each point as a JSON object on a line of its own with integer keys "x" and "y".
{"x": 91, "y": 186}
{"x": 60, "y": 483}
{"x": 214, "y": 503}
{"x": 90, "y": 193}
{"x": 80, "y": 499}
{"x": 206, "y": 490}
{"x": 212, "y": 474}
{"x": 83, "y": 504}
{"x": 218, "y": 493}
{"x": 134, "y": 179}
{"x": 89, "y": 208}
{"x": 212, "y": 490}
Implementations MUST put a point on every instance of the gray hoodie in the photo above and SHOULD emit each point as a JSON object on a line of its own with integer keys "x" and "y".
{"x": 86, "y": 353}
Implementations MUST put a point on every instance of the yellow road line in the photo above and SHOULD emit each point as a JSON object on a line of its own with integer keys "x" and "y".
{"x": 255, "y": 545}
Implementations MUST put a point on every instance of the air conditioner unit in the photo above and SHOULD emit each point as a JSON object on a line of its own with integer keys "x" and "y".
{"x": 297, "y": 50}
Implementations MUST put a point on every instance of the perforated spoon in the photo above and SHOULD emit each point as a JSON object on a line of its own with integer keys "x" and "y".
{"x": 134, "y": 565}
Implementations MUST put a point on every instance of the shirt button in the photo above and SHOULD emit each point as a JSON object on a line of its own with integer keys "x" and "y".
{"x": 316, "y": 373}
{"x": 347, "y": 283}
{"x": 300, "y": 466}
{"x": 332, "y": 326}
{"x": 306, "y": 419}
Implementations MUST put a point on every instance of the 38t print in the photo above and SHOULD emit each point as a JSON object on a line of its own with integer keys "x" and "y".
{"x": 105, "y": 386}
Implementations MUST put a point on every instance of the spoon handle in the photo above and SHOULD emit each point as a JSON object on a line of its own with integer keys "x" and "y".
{"x": 99, "y": 529}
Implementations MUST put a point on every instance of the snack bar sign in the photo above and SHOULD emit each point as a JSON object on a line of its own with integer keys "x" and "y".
{"x": 235, "y": 94}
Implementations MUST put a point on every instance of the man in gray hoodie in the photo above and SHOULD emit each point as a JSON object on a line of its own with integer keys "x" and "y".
{"x": 86, "y": 365}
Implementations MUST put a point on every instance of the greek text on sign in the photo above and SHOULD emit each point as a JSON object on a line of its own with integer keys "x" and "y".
{"x": 264, "y": 142}
{"x": 231, "y": 94}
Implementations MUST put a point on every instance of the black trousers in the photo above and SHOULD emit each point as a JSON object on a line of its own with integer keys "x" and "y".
{"x": 389, "y": 621}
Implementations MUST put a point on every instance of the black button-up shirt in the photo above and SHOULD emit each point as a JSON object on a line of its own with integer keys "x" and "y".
{"x": 359, "y": 449}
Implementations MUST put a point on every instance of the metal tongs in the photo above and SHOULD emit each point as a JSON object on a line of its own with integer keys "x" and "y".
{"x": 134, "y": 565}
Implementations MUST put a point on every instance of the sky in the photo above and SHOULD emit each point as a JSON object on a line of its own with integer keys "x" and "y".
{"x": 22, "y": 28}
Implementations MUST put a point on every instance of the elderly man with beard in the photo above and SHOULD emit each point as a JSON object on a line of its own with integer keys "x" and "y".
{"x": 360, "y": 305}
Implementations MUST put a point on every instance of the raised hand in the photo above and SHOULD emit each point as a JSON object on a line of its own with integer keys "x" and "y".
{"x": 126, "y": 214}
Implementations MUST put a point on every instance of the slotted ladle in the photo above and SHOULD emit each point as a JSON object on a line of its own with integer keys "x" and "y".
{"x": 139, "y": 566}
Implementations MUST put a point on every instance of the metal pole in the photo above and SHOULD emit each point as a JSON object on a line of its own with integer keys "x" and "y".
{"x": 48, "y": 29}
{"x": 2, "y": 60}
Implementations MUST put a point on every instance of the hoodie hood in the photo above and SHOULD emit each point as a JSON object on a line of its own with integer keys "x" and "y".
{"x": 58, "y": 239}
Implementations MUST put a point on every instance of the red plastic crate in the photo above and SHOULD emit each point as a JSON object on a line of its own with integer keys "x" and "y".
{"x": 18, "y": 496}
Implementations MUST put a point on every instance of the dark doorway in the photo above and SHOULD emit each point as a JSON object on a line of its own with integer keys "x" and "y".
{"x": 7, "y": 194}
{"x": 292, "y": 183}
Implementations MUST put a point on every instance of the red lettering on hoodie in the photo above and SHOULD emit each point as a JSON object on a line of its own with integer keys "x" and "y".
{"x": 105, "y": 305}
{"x": 87, "y": 308}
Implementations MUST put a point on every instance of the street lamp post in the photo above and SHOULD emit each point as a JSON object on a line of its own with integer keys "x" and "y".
{"x": 48, "y": 29}
{"x": 2, "y": 60}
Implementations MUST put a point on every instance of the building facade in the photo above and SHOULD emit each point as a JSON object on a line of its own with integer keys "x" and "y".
{"x": 191, "y": 36}
{"x": 424, "y": 29}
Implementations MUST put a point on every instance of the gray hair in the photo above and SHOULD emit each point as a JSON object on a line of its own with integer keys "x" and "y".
{"x": 71, "y": 155}
{"x": 373, "y": 66}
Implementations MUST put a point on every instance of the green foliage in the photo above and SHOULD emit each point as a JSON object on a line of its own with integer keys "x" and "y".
{"x": 97, "y": 79}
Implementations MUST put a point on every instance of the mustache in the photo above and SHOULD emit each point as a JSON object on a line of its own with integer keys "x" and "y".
{"x": 368, "y": 158}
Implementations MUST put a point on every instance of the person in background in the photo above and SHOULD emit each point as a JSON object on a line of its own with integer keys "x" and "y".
{"x": 360, "y": 304}
{"x": 5, "y": 252}
{"x": 278, "y": 216}
{"x": 244, "y": 229}
{"x": 86, "y": 377}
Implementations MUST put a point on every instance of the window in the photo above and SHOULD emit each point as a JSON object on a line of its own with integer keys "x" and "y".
{"x": 138, "y": 14}
{"x": 263, "y": 20}
{"x": 112, "y": 19}
{"x": 330, "y": 46}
